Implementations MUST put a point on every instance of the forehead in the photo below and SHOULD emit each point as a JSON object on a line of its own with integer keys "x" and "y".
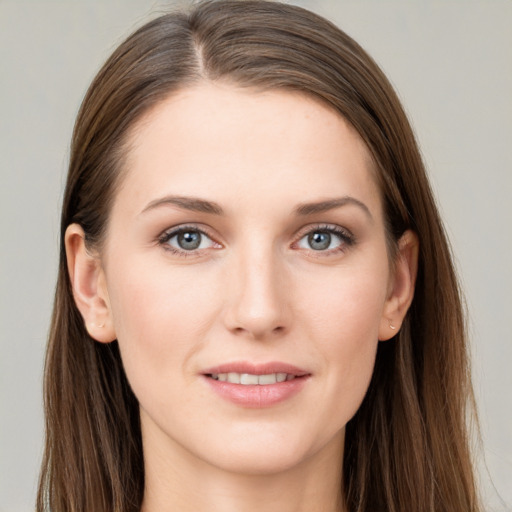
{"x": 216, "y": 139}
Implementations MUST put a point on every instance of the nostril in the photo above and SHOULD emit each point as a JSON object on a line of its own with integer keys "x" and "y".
{"x": 259, "y": 333}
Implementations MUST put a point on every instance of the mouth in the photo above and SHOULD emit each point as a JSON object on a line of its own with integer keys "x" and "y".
{"x": 256, "y": 386}
{"x": 248, "y": 379}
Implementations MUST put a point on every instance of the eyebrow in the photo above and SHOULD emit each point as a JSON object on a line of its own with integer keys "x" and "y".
{"x": 193, "y": 204}
{"x": 331, "y": 204}
{"x": 196, "y": 204}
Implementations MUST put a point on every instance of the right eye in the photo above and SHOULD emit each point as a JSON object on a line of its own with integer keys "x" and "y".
{"x": 186, "y": 240}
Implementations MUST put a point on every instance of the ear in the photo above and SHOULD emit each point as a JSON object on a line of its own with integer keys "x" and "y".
{"x": 401, "y": 287}
{"x": 89, "y": 286}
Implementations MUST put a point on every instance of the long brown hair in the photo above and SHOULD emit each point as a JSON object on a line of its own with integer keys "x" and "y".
{"x": 407, "y": 448}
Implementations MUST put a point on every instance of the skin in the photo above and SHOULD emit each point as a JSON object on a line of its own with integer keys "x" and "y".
{"x": 254, "y": 291}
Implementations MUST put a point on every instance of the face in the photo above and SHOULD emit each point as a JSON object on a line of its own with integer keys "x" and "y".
{"x": 246, "y": 277}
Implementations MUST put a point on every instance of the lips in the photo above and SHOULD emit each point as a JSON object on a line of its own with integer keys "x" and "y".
{"x": 256, "y": 386}
{"x": 247, "y": 379}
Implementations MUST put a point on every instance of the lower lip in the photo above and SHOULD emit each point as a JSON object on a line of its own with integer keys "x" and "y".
{"x": 257, "y": 396}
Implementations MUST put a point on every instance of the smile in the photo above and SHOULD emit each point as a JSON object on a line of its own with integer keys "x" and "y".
{"x": 247, "y": 379}
{"x": 256, "y": 385}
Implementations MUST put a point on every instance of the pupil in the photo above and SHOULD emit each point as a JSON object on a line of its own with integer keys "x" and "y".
{"x": 189, "y": 240}
{"x": 319, "y": 241}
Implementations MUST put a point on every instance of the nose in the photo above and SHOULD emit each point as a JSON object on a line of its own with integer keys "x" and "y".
{"x": 257, "y": 305}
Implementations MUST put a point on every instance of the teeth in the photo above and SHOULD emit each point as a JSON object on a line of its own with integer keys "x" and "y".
{"x": 250, "y": 379}
{"x": 247, "y": 378}
{"x": 267, "y": 379}
{"x": 234, "y": 378}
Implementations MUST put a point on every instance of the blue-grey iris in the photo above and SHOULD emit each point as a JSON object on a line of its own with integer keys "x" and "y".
{"x": 319, "y": 240}
{"x": 189, "y": 240}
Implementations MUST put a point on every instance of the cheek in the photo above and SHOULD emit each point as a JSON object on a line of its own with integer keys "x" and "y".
{"x": 347, "y": 307}
{"x": 344, "y": 320}
{"x": 160, "y": 319}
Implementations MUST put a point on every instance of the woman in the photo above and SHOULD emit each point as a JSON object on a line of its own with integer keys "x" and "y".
{"x": 256, "y": 305}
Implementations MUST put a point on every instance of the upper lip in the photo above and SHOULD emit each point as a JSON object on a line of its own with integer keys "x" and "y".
{"x": 256, "y": 369}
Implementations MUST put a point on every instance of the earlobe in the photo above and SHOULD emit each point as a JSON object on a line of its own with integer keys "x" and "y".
{"x": 401, "y": 290}
{"x": 89, "y": 287}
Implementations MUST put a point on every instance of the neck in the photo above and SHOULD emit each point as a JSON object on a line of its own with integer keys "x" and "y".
{"x": 176, "y": 480}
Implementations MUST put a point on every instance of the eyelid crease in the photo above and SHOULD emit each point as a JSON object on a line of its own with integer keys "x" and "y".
{"x": 330, "y": 228}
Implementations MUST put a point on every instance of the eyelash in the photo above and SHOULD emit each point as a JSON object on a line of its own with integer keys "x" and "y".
{"x": 347, "y": 239}
{"x": 164, "y": 238}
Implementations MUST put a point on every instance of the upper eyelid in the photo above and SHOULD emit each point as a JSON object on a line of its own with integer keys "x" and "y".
{"x": 168, "y": 233}
{"x": 334, "y": 228}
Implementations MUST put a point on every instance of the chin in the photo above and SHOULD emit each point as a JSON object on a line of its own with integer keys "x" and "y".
{"x": 269, "y": 453}
{"x": 258, "y": 462}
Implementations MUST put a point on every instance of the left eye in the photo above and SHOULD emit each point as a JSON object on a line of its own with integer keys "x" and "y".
{"x": 189, "y": 240}
{"x": 321, "y": 240}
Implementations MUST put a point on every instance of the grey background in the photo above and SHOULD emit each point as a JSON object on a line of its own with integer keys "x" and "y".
{"x": 451, "y": 62}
